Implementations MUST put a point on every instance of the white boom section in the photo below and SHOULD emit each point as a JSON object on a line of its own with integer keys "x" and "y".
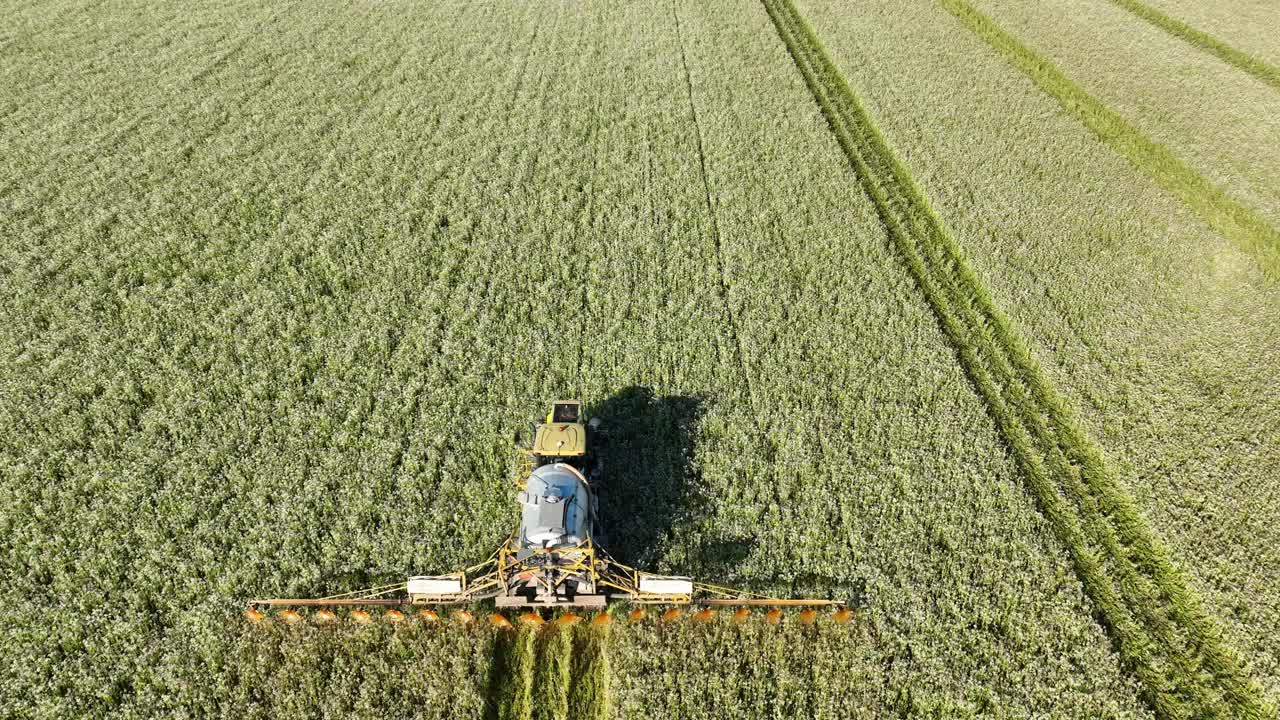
{"x": 665, "y": 585}
{"x": 434, "y": 585}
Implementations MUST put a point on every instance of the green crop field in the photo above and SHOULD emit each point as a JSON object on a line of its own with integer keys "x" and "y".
{"x": 965, "y": 310}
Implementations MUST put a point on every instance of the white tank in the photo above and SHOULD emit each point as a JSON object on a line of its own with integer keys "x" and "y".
{"x": 555, "y": 506}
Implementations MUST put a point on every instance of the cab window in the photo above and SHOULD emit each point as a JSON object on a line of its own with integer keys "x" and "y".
{"x": 564, "y": 413}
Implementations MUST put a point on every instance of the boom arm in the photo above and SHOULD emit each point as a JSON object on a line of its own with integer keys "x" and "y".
{"x": 492, "y": 578}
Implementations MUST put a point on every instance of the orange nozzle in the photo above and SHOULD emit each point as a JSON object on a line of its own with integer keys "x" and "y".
{"x": 361, "y": 617}
{"x": 291, "y": 616}
{"x": 254, "y": 616}
{"x": 808, "y": 616}
{"x": 741, "y": 615}
{"x": 773, "y": 617}
{"x": 601, "y": 620}
{"x": 325, "y": 615}
{"x": 705, "y": 615}
{"x": 568, "y": 620}
{"x": 428, "y": 615}
{"x": 636, "y": 615}
{"x": 464, "y": 617}
{"x": 672, "y": 614}
{"x": 531, "y": 619}
{"x": 499, "y": 620}
{"x": 842, "y": 616}
{"x": 394, "y": 616}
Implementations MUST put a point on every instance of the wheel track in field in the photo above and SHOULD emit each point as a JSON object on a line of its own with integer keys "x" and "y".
{"x": 1224, "y": 214}
{"x": 99, "y": 58}
{"x": 1264, "y": 72}
{"x": 722, "y": 275}
{"x": 245, "y": 449}
{"x": 116, "y": 136}
{"x": 101, "y": 231}
{"x": 1156, "y": 621}
{"x": 550, "y": 672}
{"x": 509, "y": 695}
{"x": 587, "y": 209}
{"x": 99, "y": 234}
{"x": 460, "y": 302}
{"x": 71, "y": 10}
{"x": 552, "y": 681}
{"x": 448, "y": 264}
{"x": 766, "y": 443}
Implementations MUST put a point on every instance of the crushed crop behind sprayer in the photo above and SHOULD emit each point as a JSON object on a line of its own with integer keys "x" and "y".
{"x": 917, "y": 305}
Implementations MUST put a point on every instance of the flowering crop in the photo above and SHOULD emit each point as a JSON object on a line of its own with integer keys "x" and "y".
{"x": 279, "y": 283}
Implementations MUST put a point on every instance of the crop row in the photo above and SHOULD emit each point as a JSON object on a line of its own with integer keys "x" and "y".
{"x": 1163, "y": 633}
{"x": 1219, "y": 122}
{"x": 848, "y": 444}
{"x": 1158, "y": 329}
{"x": 1226, "y": 215}
{"x": 716, "y": 669}
{"x": 1268, "y": 74}
{"x": 293, "y": 354}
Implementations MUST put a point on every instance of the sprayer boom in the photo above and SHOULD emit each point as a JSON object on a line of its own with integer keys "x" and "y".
{"x": 552, "y": 558}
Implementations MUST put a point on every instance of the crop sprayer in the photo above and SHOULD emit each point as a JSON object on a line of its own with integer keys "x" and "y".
{"x": 552, "y": 560}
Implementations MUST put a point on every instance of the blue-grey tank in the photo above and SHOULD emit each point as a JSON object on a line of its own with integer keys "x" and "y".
{"x": 555, "y": 508}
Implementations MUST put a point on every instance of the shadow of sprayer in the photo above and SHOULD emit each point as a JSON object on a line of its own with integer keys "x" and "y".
{"x": 649, "y": 481}
{"x": 650, "y": 487}
{"x": 651, "y": 484}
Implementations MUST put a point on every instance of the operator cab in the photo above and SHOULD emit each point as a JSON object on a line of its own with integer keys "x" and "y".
{"x": 562, "y": 436}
